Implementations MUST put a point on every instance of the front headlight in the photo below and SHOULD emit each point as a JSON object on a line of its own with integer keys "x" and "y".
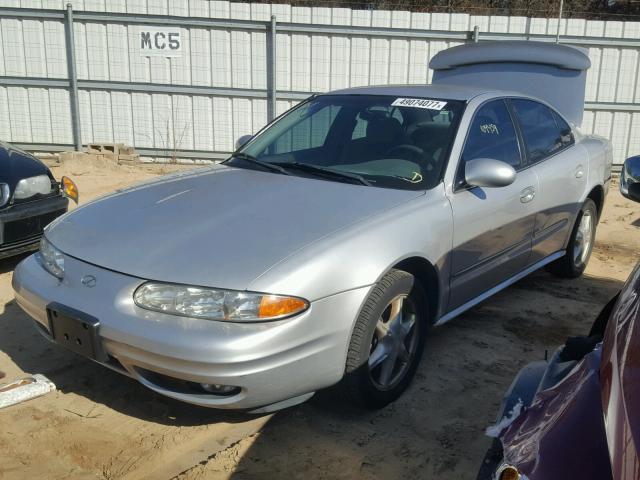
{"x": 51, "y": 258}
{"x": 28, "y": 187}
{"x": 216, "y": 304}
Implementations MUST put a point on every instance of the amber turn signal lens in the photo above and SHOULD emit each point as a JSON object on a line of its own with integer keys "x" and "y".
{"x": 69, "y": 189}
{"x": 509, "y": 473}
{"x": 274, "y": 306}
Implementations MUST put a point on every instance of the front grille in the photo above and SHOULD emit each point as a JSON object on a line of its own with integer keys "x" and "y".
{"x": 24, "y": 228}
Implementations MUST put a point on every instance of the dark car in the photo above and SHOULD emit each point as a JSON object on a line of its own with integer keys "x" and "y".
{"x": 578, "y": 414}
{"x": 30, "y": 198}
{"x": 630, "y": 178}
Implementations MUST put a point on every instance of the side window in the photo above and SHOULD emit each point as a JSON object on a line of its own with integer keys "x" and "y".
{"x": 492, "y": 135}
{"x": 566, "y": 135}
{"x": 541, "y": 133}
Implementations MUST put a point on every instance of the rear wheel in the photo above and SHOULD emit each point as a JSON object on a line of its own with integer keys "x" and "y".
{"x": 387, "y": 341}
{"x": 578, "y": 252}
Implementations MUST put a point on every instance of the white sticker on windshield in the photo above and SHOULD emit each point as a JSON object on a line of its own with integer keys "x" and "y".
{"x": 419, "y": 103}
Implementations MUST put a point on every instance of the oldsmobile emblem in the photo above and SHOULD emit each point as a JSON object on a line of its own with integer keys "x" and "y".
{"x": 89, "y": 281}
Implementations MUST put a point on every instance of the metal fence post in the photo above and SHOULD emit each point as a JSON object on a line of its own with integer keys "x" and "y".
{"x": 559, "y": 20}
{"x": 271, "y": 70}
{"x": 73, "y": 79}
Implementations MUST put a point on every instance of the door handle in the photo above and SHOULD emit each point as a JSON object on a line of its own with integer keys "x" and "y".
{"x": 527, "y": 194}
{"x": 579, "y": 171}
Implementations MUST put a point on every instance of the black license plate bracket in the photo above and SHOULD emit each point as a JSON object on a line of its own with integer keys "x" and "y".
{"x": 75, "y": 330}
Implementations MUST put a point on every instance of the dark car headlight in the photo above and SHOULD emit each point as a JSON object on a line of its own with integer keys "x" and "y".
{"x": 4, "y": 194}
{"x": 626, "y": 179}
{"x": 28, "y": 187}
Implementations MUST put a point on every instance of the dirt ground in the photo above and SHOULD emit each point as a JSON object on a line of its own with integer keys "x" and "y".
{"x": 102, "y": 425}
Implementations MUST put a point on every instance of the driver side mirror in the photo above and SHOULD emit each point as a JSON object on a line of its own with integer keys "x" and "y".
{"x": 488, "y": 172}
{"x": 630, "y": 178}
{"x": 240, "y": 142}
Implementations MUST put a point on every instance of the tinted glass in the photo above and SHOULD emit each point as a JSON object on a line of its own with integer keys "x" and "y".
{"x": 394, "y": 146}
{"x": 542, "y": 135}
{"x": 566, "y": 135}
{"x": 492, "y": 135}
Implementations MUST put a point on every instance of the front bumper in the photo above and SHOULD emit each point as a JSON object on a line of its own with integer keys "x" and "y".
{"x": 269, "y": 361}
{"x": 21, "y": 225}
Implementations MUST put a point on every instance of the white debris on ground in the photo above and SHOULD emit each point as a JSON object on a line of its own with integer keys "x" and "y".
{"x": 24, "y": 389}
{"x": 494, "y": 430}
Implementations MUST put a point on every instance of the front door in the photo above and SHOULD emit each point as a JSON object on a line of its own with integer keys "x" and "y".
{"x": 492, "y": 226}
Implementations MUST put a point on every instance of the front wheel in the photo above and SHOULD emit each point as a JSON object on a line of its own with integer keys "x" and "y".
{"x": 578, "y": 252}
{"x": 387, "y": 341}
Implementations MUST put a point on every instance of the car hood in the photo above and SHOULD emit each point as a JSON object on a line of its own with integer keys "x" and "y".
{"x": 218, "y": 227}
{"x": 17, "y": 165}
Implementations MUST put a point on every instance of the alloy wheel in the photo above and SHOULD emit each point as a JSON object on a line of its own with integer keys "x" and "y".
{"x": 582, "y": 244}
{"x": 394, "y": 343}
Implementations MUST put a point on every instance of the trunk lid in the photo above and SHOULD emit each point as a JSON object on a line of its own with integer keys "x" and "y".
{"x": 554, "y": 73}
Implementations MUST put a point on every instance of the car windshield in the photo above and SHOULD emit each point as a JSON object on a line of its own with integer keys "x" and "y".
{"x": 382, "y": 141}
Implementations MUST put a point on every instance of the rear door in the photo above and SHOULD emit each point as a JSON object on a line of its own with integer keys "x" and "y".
{"x": 560, "y": 165}
{"x": 492, "y": 226}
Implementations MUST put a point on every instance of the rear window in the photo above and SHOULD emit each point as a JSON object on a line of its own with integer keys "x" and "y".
{"x": 542, "y": 134}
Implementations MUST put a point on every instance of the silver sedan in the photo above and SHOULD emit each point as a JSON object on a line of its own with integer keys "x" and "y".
{"x": 324, "y": 249}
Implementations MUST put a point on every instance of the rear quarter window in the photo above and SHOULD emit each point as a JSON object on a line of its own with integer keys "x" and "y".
{"x": 566, "y": 134}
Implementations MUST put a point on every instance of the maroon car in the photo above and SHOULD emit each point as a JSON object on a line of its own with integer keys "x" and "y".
{"x": 577, "y": 415}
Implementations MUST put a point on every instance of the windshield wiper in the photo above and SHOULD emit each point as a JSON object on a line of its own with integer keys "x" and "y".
{"x": 306, "y": 167}
{"x": 266, "y": 165}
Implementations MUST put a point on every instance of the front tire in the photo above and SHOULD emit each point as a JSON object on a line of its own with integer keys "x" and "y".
{"x": 578, "y": 252}
{"x": 387, "y": 341}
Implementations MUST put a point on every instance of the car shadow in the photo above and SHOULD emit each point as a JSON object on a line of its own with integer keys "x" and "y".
{"x": 31, "y": 352}
{"x": 436, "y": 429}
{"x": 9, "y": 264}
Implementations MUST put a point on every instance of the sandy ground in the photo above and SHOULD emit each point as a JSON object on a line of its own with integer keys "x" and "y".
{"x": 102, "y": 425}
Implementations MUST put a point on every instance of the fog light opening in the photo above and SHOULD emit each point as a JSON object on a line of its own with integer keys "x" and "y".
{"x": 223, "y": 390}
{"x": 509, "y": 472}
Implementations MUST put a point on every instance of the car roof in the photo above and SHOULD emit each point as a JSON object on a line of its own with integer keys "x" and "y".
{"x": 444, "y": 92}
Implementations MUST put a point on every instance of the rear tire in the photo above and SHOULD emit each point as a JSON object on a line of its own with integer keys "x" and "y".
{"x": 387, "y": 342}
{"x": 580, "y": 245}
